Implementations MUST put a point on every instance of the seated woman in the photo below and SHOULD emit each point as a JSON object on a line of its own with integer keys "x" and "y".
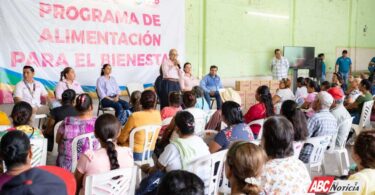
{"x": 290, "y": 110}
{"x": 147, "y": 116}
{"x": 243, "y": 167}
{"x": 109, "y": 157}
{"x": 283, "y": 93}
{"x": 325, "y": 85}
{"x": 174, "y": 105}
{"x": 183, "y": 149}
{"x": 135, "y": 101}
{"x": 353, "y": 92}
{"x": 201, "y": 102}
{"x": 15, "y": 151}
{"x": 364, "y": 156}
{"x": 73, "y": 126}
{"x": 261, "y": 110}
{"x": 301, "y": 91}
{"x": 58, "y": 114}
{"x": 21, "y": 117}
{"x": 200, "y": 116}
{"x": 67, "y": 81}
{"x": 109, "y": 92}
{"x": 236, "y": 130}
{"x": 187, "y": 79}
{"x": 283, "y": 173}
{"x": 337, "y": 80}
{"x": 312, "y": 89}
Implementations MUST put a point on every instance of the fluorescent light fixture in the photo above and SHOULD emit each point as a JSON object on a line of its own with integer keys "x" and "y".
{"x": 267, "y": 15}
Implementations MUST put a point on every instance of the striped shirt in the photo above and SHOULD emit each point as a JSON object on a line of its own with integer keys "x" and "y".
{"x": 322, "y": 123}
{"x": 280, "y": 68}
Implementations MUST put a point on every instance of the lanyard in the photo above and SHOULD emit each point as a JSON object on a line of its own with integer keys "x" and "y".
{"x": 28, "y": 87}
{"x": 67, "y": 86}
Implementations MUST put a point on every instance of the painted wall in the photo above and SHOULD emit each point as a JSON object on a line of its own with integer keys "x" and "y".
{"x": 220, "y": 32}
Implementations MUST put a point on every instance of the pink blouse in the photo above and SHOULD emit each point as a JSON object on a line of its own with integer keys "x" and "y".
{"x": 63, "y": 85}
{"x": 188, "y": 82}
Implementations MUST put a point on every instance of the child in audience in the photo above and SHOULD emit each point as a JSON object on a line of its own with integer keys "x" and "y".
{"x": 312, "y": 89}
{"x": 364, "y": 156}
{"x": 174, "y": 105}
{"x": 283, "y": 173}
{"x": 181, "y": 182}
{"x": 301, "y": 92}
{"x": 15, "y": 151}
{"x": 181, "y": 150}
{"x": 73, "y": 126}
{"x": 21, "y": 117}
{"x": 290, "y": 110}
{"x": 201, "y": 102}
{"x": 261, "y": 110}
{"x": 243, "y": 167}
{"x": 109, "y": 157}
{"x": 236, "y": 128}
{"x": 135, "y": 101}
{"x": 325, "y": 85}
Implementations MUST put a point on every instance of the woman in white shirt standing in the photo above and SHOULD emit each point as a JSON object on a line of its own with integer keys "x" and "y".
{"x": 283, "y": 93}
{"x": 187, "y": 80}
{"x": 67, "y": 81}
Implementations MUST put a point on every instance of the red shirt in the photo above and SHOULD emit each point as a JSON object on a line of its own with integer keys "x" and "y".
{"x": 257, "y": 111}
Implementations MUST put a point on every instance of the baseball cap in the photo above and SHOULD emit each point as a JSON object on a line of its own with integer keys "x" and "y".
{"x": 336, "y": 93}
{"x": 34, "y": 181}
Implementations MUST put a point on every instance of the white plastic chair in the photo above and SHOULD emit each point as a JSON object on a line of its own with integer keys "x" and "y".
{"x": 336, "y": 159}
{"x": 91, "y": 137}
{"x": 200, "y": 124}
{"x": 166, "y": 121}
{"x": 150, "y": 135}
{"x": 55, "y": 150}
{"x": 209, "y": 163}
{"x": 39, "y": 150}
{"x": 40, "y": 117}
{"x": 258, "y": 122}
{"x": 4, "y": 127}
{"x": 131, "y": 87}
{"x": 317, "y": 154}
{"x": 208, "y": 135}
{"x": 101, "y": 108}
{"x": 118, "y": 181}
{"x": 364, "y": 121}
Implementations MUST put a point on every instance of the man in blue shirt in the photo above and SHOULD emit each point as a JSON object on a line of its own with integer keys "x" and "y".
{"x": 211, "y": 84}
{"x": 321, "y": 57}
{"x": 344, "y": 64}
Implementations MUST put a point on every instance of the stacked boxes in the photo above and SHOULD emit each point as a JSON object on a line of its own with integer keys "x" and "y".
{"x": 247, "y": 90}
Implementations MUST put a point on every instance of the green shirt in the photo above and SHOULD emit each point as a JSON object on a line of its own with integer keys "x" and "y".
{"x": 361, "y": 100}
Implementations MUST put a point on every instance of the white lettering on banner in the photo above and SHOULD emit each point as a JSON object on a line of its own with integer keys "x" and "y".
{"x": 134, "y": 36}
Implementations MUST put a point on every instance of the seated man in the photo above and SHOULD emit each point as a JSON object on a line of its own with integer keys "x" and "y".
{"x": 341, "y": 114}
{"x": 355, "y": 109}
{"x": 211, "y": 84}
{"x": 31, "y": 91}
{"x": 321, "y": 123}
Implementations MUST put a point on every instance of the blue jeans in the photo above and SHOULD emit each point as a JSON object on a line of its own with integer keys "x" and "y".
{"x": 119, "y": 106}
{"x": 207, "y": 96}
{"x": 345, "y": 76}
{"x": 357, "y": 117}
{"x": 138, "y": 156}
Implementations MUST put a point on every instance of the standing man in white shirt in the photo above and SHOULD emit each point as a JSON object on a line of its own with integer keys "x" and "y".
{"x": 31, "y": 91}
{"x": 279, "y": 66}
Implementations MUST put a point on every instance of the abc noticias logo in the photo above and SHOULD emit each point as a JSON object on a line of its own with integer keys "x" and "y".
{"x": 327, "y": 184}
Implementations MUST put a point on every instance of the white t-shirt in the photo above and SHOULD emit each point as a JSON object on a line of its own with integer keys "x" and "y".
{"x": 284, "y": 94}
{"x": 200, "y": 118}
{"x": 171, "y": 159}
{"x": 30, "y": 94}
{"x": 301, "y": 92}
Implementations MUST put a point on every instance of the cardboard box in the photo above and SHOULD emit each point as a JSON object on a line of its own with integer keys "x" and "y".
{"x": 243, "y": 97}
{"x": 274, "y": 84}
{"x": 265, "y": 82}
{"x": 250, "y": 98}
{"x": 254, "y": 84}
{"x": 242, "y": 85}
